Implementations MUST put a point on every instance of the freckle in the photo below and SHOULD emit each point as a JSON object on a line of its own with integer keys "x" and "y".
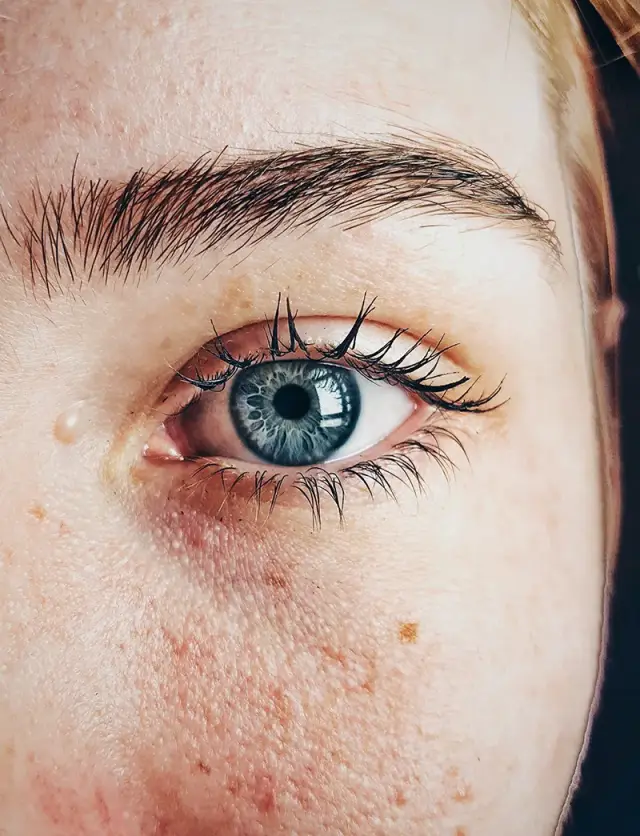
{"x": 408, "y": 632}
{"x": 38, "y": 512}
{"x": 401, "y": 799}
{"x": 166, "y": 343}
{"x": 70, "y": 424}
{"x": 204, "y": 768}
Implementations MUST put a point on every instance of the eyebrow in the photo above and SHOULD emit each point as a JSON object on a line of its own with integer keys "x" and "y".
{"x": 165, "y": 215}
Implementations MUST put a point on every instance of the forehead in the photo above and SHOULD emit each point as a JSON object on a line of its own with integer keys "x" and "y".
{"x": 162, "y": 80}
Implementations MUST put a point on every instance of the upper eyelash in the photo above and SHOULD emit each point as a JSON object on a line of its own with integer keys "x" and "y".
{"x": 371, "y": 365}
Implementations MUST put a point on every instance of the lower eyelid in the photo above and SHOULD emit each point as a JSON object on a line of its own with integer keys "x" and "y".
{"x": 219, "y": 489}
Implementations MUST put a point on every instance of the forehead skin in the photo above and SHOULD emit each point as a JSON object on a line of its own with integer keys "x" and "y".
{"x": 180, "y": 715}
{"x": 260, "y": 75}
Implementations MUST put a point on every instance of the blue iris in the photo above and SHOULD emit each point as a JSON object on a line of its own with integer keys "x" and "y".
{"x": 296, "y": 412}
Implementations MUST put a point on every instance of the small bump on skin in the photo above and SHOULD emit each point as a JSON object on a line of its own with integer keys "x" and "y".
{"x": 408, "y": 632}
{"x": 70, "y": 424}
{"x": 204, "y": 768}
{"x": 463, "y": 795}
{"x": 38, "y": 512}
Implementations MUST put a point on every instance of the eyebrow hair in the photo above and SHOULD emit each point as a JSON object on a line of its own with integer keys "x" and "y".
{"x": 164, "y": 215}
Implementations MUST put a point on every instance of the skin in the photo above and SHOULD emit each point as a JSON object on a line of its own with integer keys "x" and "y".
{"x": 170, "y": 665}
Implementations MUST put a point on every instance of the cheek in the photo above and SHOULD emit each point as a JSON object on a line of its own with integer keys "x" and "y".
{"x": 265, "y": 679}
{"x": 147, "y": 703}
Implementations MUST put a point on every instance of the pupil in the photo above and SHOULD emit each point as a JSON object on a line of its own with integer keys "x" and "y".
{"x": 291, "y": 402}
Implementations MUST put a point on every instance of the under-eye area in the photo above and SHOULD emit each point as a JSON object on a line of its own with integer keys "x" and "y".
{"x": 299, "y": 407}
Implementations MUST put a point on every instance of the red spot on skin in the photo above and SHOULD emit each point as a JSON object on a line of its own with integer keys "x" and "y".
{"x": 179, "y": 647}
{"x": 408, "y": 632}
{"x": 400, "y": 799}
{"x": 460, "y": 831}
{"x": 265, "y": 796}
{"x": 103, "y": 810}
{"x": 204, "y": 768}
{"x": 233, "y": 785}
{"x": 277, "y": 579}
{"x": 38, "y": 512}
{"x": 369, "y": 684}
{"x": 260, "y": 790}
{"x": 59, "y": 806}
{"x": 334, "y": 655}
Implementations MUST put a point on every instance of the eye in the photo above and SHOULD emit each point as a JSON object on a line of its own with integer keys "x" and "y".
{"x": 314, "y": 403}
{"x": 292, "y": 413}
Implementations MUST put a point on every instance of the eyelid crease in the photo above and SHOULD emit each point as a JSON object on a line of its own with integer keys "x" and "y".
{"x": 112, "y": 229}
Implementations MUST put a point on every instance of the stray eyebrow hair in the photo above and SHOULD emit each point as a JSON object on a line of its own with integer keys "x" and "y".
{"x": 164, "y": 215}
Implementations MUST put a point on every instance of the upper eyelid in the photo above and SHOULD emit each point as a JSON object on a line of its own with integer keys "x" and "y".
{"x": 112, "y": 228}
{"x": 376, "y": 364}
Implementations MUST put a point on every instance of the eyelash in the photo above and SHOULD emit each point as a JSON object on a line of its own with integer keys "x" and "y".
{"x": 317, "y": 482}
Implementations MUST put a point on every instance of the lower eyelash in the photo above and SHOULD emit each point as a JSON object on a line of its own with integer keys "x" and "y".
{"x": 317, "y": 483}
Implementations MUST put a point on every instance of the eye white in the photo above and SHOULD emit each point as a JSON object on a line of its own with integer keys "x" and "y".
{"x": 383, "y": 408}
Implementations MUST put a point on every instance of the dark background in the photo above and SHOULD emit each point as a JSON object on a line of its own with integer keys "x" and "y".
{"x": 608, "y": 802}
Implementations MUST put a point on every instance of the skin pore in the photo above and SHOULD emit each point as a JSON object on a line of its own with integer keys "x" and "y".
{"x": 175, "y": 659}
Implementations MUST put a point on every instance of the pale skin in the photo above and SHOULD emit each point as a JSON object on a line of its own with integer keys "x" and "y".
{"x": 172, "y": 663}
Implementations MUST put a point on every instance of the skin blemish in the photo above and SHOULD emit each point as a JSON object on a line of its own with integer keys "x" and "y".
{"x": 277, "y": 578}
{"x": 334, "y": 655}
{"x": 102, "y": 809}
{"x": 400, "y": 799}
{"x": 179, "y": 647}
{"x": 461, "y": 792}
{"x": 70, "y": 424}
{"x": 204, "y": 768}
{"x": 408, "y": 632}
{"x": 260, "y": 789}
{"x": 38, "y": 512}
{"x": 265, "y": 796}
